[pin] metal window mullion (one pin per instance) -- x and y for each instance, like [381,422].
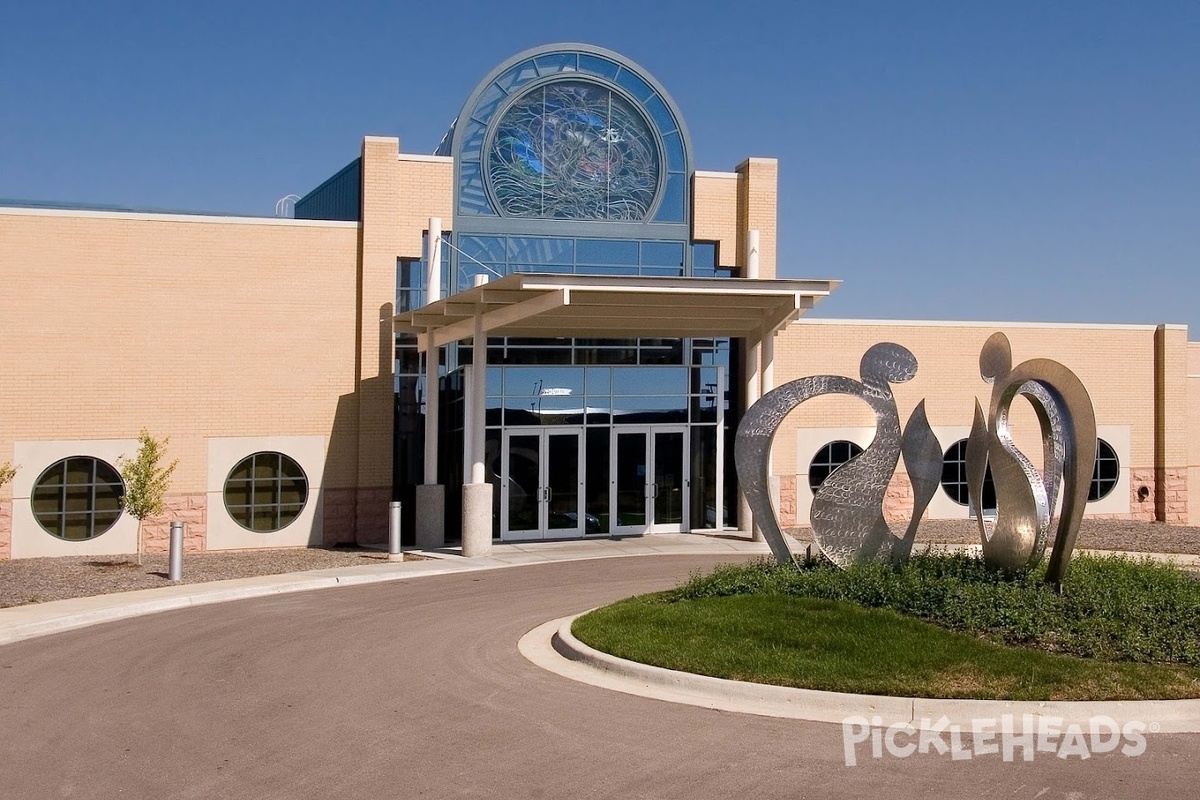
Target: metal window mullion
[253,510]
[608,162]
[90,518]
[62,499]
[542,180]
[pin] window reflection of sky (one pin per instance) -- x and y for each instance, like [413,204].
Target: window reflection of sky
[575,395]
[508,254]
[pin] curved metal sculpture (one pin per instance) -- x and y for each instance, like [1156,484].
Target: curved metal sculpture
[847,510]
[1025,499]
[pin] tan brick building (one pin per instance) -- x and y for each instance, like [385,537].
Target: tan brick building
[285,358]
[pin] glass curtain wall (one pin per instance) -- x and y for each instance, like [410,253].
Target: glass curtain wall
[573,160]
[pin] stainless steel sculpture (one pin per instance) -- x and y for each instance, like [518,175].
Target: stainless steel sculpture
[1025,499]
[847,511]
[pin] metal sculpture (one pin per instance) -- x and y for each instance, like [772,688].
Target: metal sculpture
[847,511]
[1025,498]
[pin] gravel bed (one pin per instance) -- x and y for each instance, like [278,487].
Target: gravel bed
[40,580]
[1094,534]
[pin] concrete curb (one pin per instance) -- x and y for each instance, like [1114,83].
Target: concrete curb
[553,647]
[28,622]
[19,623]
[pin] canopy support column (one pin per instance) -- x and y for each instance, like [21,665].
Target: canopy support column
[477,494]
[752,383]
[767,376]
[753,359]
[431,495]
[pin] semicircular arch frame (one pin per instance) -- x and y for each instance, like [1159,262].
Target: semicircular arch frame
[475,205]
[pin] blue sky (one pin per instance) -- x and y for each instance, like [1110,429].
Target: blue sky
[954,160]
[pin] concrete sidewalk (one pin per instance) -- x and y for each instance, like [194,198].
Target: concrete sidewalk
[39,619]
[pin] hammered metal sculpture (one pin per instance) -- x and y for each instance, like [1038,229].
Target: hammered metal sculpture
[1016,538]
[847,510]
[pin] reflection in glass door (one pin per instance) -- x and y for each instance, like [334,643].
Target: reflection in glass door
[630,497]
[669,487]
[650,480]
[541,488]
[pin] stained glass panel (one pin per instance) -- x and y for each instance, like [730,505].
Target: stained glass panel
[574,150]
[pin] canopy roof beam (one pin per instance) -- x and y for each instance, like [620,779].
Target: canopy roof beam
[618,307]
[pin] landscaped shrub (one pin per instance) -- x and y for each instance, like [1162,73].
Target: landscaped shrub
[1110,607]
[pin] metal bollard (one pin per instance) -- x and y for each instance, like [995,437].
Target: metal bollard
[394,553]
[175,568]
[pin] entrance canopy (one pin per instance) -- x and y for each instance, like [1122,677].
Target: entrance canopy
[539,305]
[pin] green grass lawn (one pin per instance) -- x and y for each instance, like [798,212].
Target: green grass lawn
[864,630]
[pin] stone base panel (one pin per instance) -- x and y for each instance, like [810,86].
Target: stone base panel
[898,501]
[192,511]
[371,515]
[339,516]
[787,501]
[360,515]
[5,530]
[1174,510]
[1141,495]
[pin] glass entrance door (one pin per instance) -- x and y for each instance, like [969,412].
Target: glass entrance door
[541,492]
[650,480]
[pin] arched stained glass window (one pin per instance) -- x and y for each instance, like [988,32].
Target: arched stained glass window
[574,150]
[570,133]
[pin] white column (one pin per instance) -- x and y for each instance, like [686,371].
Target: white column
[752,383]
[719,505]
[468,421]
[477,492]
[752,254]
[431,496]
[431,408]
[472,407]
[433,261]
[768,362]
[753,357]
[478,410]
[767,378]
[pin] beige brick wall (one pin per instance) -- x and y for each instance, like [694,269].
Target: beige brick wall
[758,209]
[400,194]
[1171,423]
[1193,395]
[715,214]
[728,205]
[188,326]
[424,189]
[1117,363]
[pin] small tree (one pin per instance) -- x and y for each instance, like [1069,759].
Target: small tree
[146,481]
[7,471]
